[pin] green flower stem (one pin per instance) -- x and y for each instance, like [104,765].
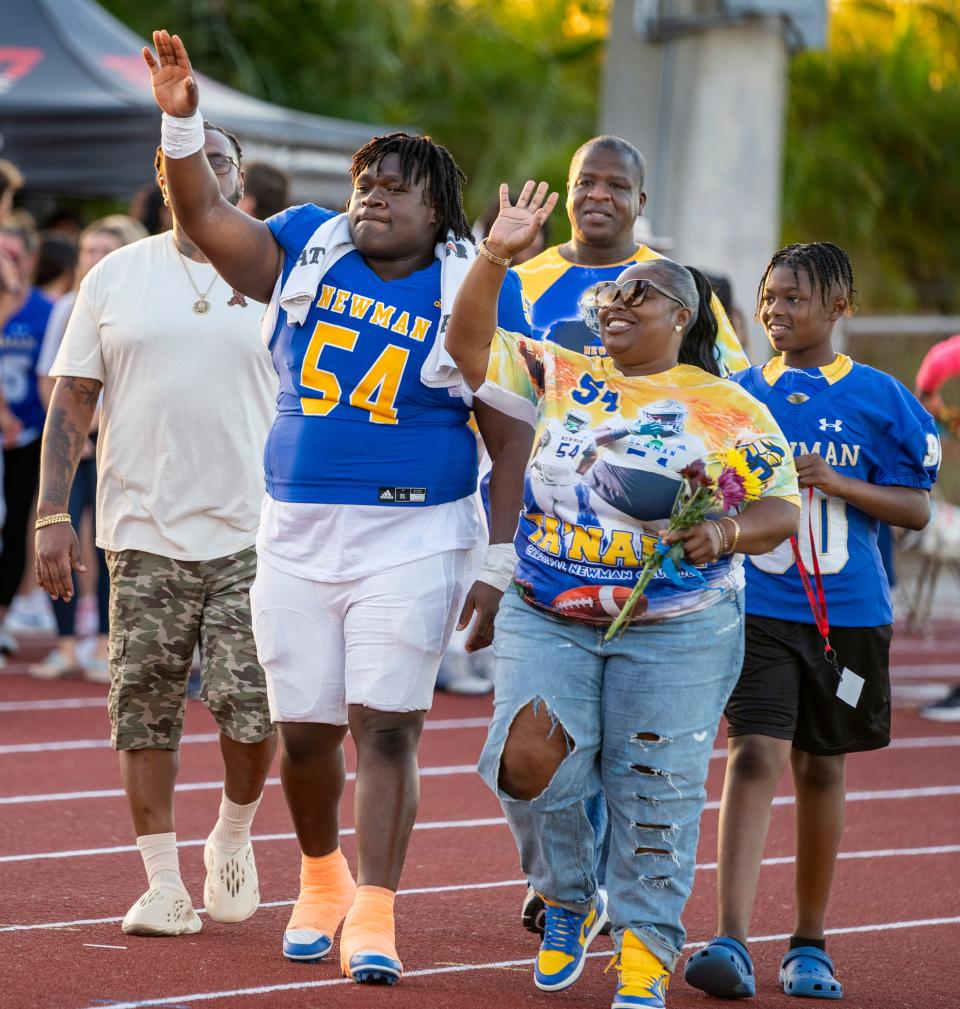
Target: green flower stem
[690,513]
[650,568]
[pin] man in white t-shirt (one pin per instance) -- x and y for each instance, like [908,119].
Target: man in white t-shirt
[188,391]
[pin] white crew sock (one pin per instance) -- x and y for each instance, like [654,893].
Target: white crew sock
[160,859]
[232,830]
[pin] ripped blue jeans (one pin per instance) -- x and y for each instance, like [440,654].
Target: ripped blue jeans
[640,713]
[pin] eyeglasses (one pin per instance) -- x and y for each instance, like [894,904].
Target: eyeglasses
[221,164]
[631,293]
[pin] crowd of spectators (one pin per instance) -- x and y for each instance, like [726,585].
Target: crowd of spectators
[41,267]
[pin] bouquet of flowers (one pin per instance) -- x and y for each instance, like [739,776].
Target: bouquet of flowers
[700,496]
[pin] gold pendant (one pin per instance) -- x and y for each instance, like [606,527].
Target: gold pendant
[201,307]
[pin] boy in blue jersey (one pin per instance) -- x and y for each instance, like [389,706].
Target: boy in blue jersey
[369,515]
[866,452]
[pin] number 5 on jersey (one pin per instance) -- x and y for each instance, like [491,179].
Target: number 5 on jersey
[376,392]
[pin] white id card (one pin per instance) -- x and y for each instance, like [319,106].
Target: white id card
[850,688]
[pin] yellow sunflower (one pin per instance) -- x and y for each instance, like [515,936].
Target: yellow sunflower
[736,460]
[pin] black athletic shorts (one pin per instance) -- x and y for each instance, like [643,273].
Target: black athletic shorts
[788,690]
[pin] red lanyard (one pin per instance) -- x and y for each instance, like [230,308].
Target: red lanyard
[818,601]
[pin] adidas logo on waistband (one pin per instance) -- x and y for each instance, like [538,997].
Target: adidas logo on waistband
[405,495]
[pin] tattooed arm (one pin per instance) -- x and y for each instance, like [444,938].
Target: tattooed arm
[64,436]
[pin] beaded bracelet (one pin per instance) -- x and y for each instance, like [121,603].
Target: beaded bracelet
[51,520]
[487,254]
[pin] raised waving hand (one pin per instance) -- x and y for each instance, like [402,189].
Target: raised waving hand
[517,225]
[174,85]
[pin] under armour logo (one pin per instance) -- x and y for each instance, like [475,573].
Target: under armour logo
[237,299]
[836,425]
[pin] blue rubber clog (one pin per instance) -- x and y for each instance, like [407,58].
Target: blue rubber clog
[723,968]
[808,972]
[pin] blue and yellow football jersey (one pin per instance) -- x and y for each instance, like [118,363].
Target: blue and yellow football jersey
[868,426]
[355,425]
[563,307]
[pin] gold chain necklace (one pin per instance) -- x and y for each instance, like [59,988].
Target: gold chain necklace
[201,306]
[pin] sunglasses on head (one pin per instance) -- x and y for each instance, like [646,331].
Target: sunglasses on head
[631,292]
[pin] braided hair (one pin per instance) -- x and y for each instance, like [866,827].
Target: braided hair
[421,158]
[826,265]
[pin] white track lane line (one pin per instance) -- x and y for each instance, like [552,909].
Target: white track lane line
[940,849]
[929,792]
[907,743]
[493,821]
[10,749]
[201,786]
[933,670]
[435,725]
[469,967]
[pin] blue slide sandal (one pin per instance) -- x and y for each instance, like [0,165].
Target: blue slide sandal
[808,972]
[723,968]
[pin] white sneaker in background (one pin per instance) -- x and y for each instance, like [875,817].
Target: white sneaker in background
[8,643]
[31,613]
[54,667]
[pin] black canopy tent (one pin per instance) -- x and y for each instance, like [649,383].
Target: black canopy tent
[78,118]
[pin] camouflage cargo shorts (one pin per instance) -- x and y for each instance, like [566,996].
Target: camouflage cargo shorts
[160,609]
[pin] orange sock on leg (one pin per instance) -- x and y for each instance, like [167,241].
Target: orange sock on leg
[327,891]
[369,929]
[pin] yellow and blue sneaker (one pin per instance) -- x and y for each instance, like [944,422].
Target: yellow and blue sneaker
[643,978]
[566,938]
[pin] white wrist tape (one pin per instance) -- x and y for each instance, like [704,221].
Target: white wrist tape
[498,565]
[180,138]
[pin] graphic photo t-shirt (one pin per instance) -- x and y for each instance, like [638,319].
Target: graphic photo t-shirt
[605,471]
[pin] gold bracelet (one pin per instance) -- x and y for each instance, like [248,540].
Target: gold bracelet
[51,520]
[736,533]
[723,537]
[487,254]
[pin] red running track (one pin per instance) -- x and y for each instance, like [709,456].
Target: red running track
[69,871]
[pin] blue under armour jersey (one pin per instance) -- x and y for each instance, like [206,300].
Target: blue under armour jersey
[355,425]
[868,426]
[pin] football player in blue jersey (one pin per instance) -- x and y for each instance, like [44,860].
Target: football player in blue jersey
[605,196]
[369,515]
[866,452]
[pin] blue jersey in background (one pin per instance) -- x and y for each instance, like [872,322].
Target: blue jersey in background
[20,343]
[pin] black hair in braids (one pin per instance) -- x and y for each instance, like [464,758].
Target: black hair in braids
[699,344]
[421,158]
[826,265]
